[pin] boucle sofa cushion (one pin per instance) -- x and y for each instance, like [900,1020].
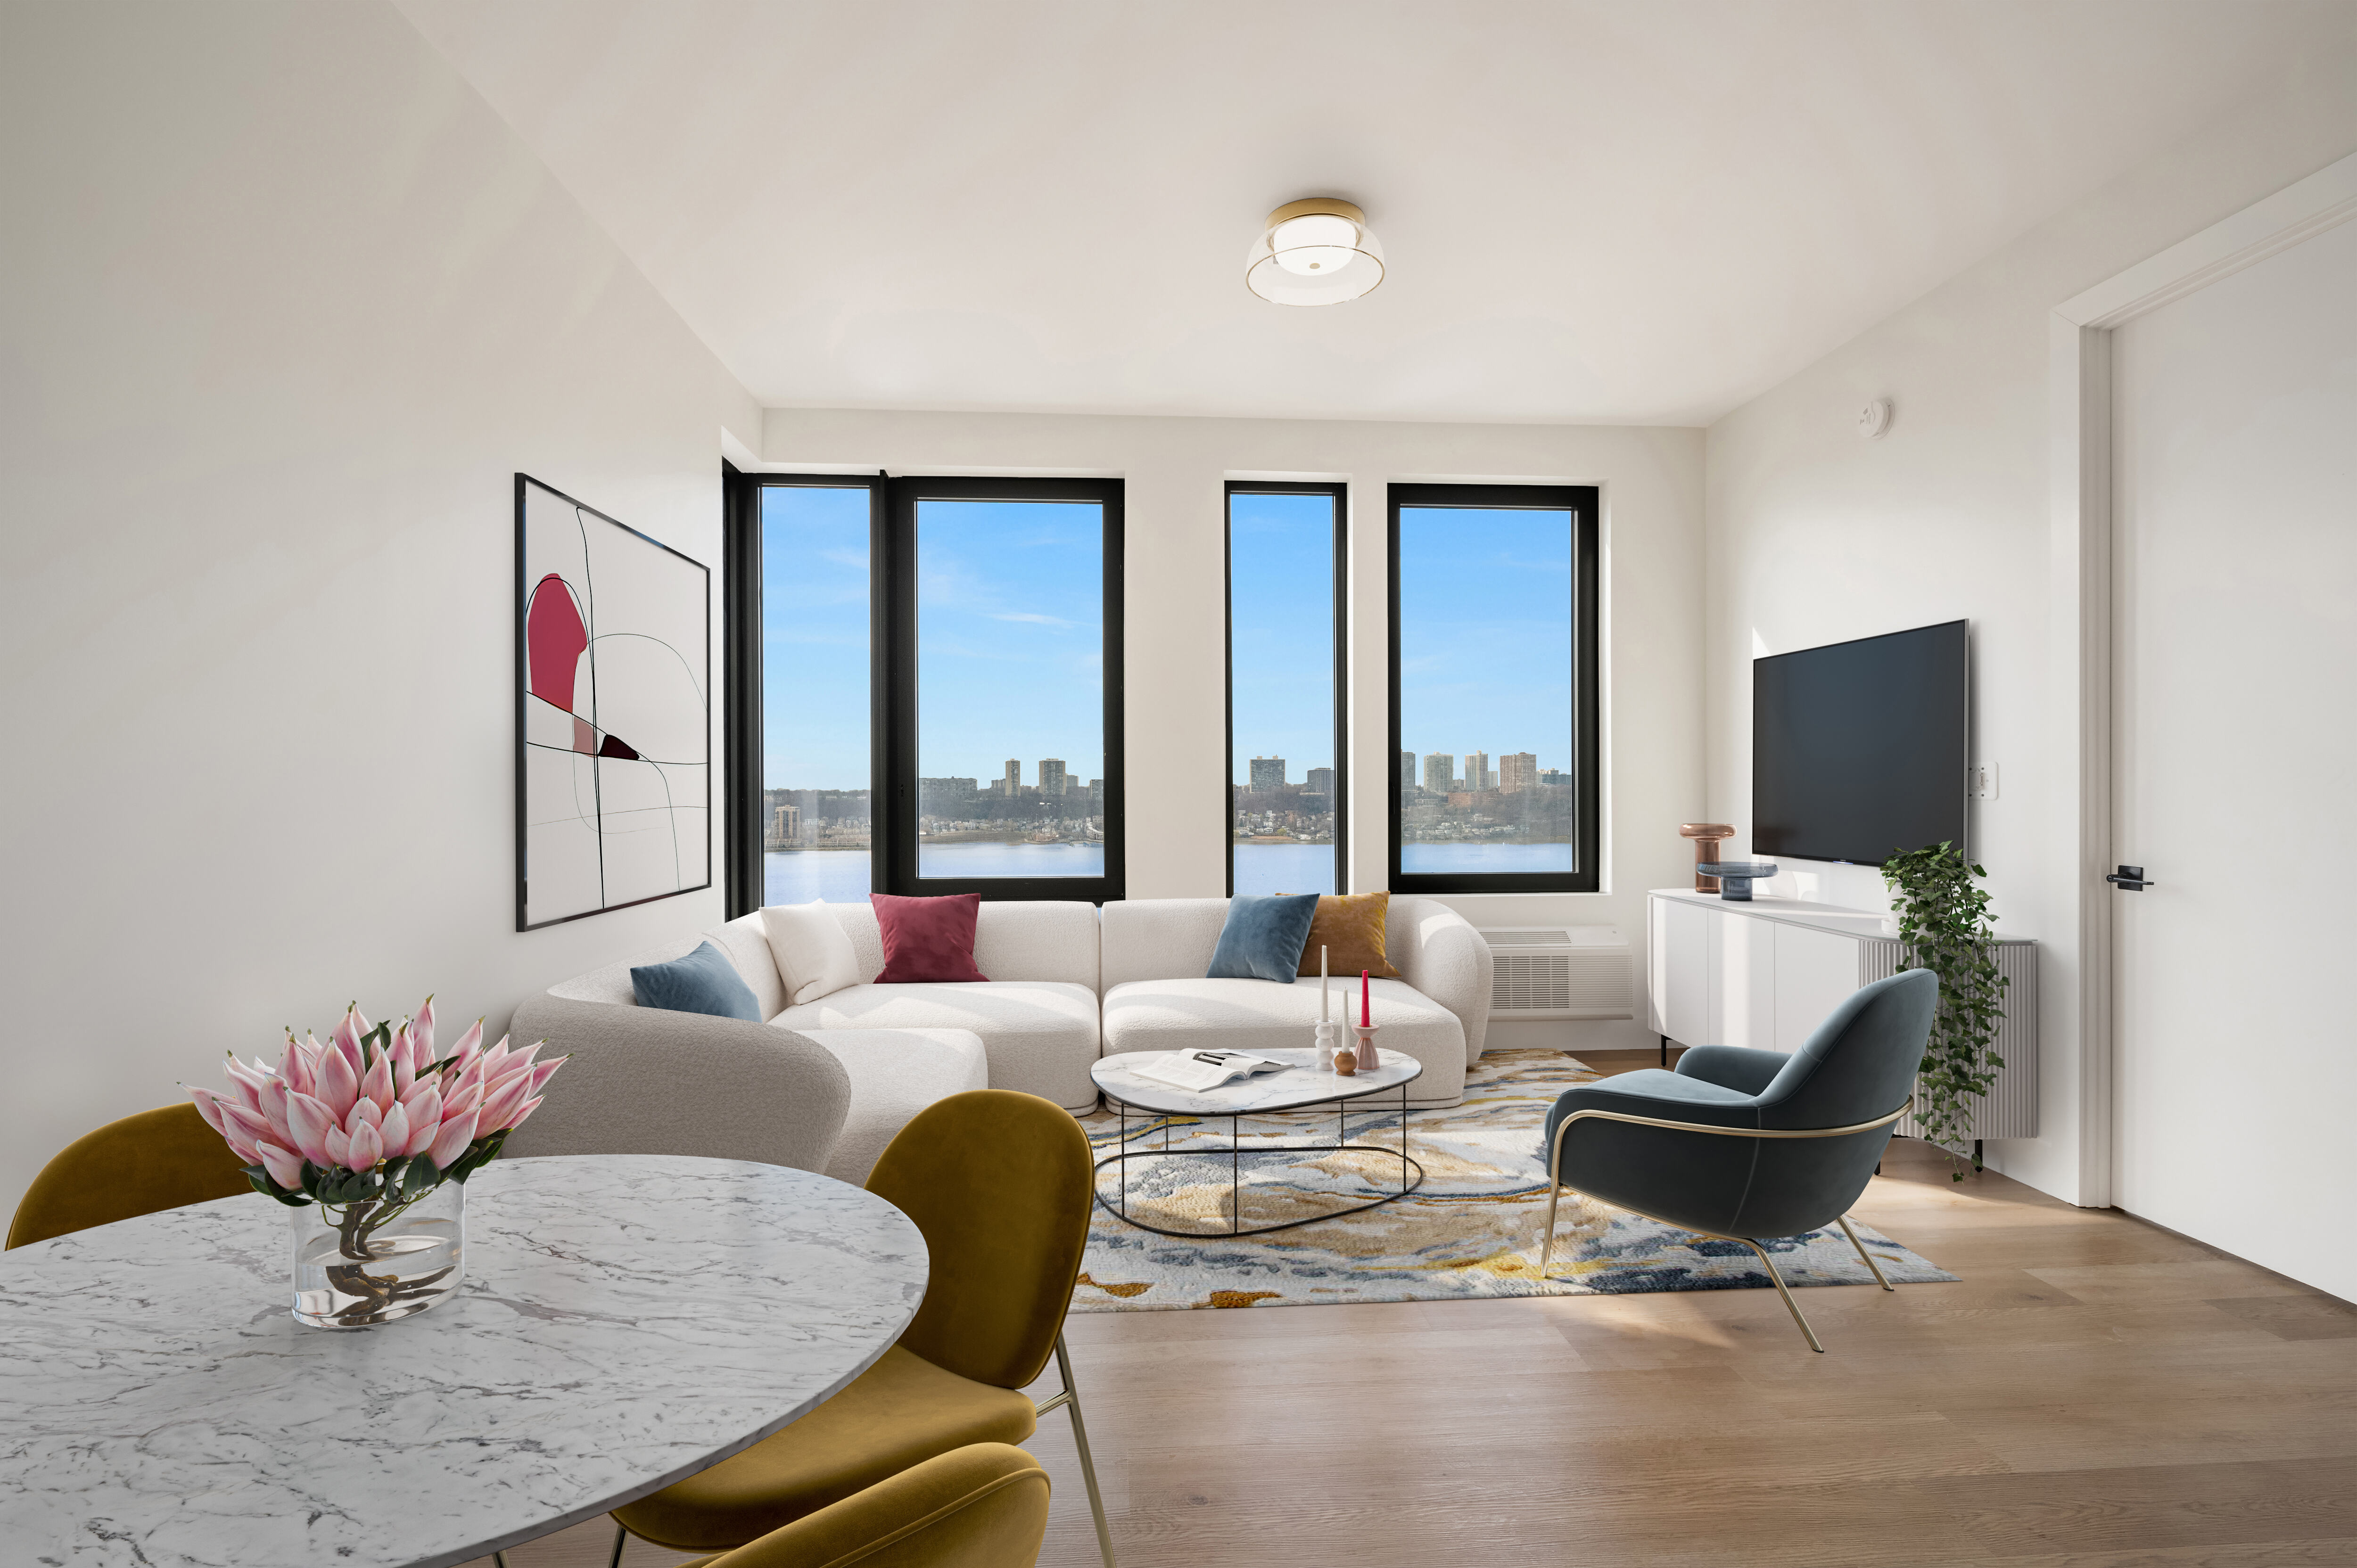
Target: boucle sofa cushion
[1253,1015]
[1040,1035]
[1049,940]
[811,950]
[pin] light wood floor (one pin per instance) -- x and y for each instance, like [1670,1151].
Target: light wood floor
[2095,1392]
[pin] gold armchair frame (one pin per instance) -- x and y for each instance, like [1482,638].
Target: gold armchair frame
[1554,1191]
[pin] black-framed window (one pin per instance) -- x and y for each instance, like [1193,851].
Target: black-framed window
[1495,643]
[938,705]
[1285,780]
[804,725]
[1002,700]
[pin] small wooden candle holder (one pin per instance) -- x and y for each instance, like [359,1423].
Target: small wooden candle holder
[1707,837]
[1346,1063]
[1368,1058]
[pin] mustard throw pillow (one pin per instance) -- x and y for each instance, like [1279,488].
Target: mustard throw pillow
[1350,927]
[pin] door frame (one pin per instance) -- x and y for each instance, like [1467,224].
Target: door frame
[2079,411]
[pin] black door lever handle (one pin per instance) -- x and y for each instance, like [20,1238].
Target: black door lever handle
[2130,878]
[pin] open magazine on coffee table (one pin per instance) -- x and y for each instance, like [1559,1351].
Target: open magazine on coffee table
[1206,1070]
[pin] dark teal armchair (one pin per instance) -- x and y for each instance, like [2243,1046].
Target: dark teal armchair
[1741,1145]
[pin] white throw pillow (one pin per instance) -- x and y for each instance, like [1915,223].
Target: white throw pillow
[813,949]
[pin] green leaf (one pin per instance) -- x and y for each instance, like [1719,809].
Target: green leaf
[419,1176]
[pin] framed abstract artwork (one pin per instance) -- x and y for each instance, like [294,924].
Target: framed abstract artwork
[613,713]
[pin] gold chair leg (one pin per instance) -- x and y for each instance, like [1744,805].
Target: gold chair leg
[621,1537]
[1547,1241]
[1070,1400]
[500,1560]
[1862,1252]
[1791,1305]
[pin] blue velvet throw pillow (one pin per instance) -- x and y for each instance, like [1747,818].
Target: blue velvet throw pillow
[703,981]
[1264,936]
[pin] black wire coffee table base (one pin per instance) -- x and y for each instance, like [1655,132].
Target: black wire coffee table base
[1235,1153]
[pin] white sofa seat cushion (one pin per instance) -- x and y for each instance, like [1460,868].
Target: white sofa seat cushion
[1040,1035]
[1258,1015]
[895,1073]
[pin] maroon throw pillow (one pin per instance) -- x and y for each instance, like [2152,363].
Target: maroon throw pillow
[928,938]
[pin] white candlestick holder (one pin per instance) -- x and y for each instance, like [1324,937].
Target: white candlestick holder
[1330,1035]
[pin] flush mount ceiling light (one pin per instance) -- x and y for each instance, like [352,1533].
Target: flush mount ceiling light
[1316,252]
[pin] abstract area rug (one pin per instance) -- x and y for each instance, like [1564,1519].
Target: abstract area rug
[1472,1231]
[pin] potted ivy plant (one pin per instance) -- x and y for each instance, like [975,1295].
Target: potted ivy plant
[1945,925]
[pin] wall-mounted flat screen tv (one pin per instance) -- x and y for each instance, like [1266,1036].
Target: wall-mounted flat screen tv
[1859,750]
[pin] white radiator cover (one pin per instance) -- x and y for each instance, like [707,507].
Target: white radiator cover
[1560,972]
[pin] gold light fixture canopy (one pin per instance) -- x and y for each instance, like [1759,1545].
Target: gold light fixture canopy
[1317,251]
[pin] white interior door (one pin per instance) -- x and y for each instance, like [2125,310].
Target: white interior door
[2234,472]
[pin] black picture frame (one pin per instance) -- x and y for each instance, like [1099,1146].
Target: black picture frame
[1340,492]
[1586,649]
[522,678]
[896,803]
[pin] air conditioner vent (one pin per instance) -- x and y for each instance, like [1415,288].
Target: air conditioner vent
[1578,972]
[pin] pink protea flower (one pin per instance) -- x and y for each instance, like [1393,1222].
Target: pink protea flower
[371,1115]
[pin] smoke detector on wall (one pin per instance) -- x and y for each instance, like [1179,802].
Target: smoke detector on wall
[1874,418]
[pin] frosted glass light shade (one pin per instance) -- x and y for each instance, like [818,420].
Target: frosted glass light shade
[1316,252]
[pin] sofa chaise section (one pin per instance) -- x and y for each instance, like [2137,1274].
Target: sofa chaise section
[643,1081]
[1037,1016]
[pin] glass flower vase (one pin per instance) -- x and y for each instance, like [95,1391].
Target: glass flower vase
[359,1264]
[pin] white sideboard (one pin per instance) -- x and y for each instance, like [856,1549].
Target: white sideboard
[1765,973]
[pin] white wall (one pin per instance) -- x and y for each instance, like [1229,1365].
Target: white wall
[1816,535]
[1174,470]
[287,307]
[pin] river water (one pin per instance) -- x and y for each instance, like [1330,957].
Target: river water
[840,875]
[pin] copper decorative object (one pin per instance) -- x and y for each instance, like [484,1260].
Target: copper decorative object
[1706,836]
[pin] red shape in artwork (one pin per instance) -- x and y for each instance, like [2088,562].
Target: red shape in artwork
[554,640]
[615,746]
[585,737]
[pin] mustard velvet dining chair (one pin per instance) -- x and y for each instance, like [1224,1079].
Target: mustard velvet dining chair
[155,1160]
[983,1506]
[999,1184]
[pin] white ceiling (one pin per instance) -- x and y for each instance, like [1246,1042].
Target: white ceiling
[1594,210]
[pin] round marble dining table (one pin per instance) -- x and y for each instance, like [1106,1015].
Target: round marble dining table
[626,1321]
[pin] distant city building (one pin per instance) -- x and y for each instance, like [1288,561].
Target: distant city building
[785,825]
[1011,786]
[1096,789]
[1267,773]
[1051,776]
[946,797]
[1477,771]
[1407,771]
[1553,775]
[1518,771]
[1320,781]
[1440,771]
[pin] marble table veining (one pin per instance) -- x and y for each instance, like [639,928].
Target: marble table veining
[1297,1086]
[626,1321]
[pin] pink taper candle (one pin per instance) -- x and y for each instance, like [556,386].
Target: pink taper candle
[1366,1009]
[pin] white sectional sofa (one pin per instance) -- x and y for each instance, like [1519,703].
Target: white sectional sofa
[825,1085]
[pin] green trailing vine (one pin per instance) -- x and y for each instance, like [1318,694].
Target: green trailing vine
[1945,925]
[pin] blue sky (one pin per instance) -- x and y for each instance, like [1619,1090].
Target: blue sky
[1010,635]
[1485,633]
[1281,556]
[814,637]
[1010,638]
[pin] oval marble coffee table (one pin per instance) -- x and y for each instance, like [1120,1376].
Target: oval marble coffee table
[1298,1086]
[626,1322]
